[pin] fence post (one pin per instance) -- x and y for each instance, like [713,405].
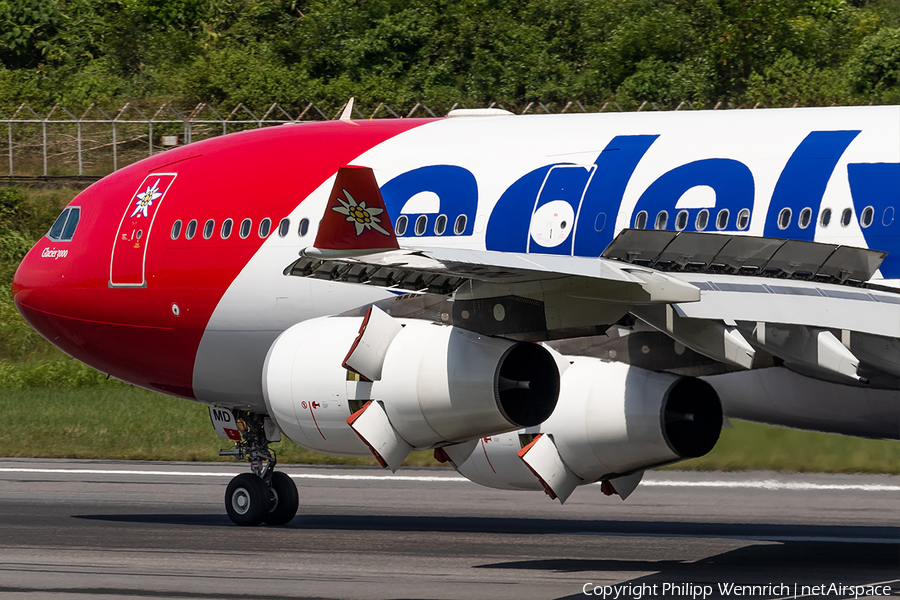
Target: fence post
[9,126]
[44,144]
[150,136]
[80,164]
[115,149]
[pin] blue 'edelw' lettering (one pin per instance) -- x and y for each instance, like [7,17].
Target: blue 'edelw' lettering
[571,209]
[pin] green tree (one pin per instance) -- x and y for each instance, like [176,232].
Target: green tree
[874,67]
[792,82]
[443,51]
[26,26]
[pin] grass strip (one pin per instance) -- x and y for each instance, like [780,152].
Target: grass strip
[754,446]
[116,421]
[121,422]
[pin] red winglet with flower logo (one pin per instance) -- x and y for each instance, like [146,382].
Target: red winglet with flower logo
[356,218]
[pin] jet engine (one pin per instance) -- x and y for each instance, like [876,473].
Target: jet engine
[351,385]
[611,422]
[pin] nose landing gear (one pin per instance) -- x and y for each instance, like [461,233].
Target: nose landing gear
[264,495]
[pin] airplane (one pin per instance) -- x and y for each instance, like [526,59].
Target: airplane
[545,301]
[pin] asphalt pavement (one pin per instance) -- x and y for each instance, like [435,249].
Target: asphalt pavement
[103,529]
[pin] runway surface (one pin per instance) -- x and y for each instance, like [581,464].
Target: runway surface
[90,529]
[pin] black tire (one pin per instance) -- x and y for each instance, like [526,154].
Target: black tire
[247,500]
[285,500]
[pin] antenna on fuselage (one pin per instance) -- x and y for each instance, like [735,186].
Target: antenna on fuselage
[348,111]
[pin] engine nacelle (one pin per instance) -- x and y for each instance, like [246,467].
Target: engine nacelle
[435,384]
[611,420]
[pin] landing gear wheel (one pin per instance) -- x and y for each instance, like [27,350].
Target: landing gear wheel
[285,500]
[247,500]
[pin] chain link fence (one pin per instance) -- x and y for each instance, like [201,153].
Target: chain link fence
[61,146]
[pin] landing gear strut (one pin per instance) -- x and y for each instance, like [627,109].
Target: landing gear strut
[264,495]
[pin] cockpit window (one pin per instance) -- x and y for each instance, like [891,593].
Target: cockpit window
[71,223]
[56,231]
[63,230]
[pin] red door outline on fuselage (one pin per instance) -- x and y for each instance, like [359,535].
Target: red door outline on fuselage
[129,251]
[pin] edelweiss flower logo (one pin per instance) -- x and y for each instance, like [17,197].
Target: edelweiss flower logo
[145,200]
[359,214]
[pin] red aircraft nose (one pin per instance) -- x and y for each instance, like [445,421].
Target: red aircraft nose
[56,285]
[36,297]
[62,289]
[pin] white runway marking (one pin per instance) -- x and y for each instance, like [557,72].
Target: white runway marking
[765,484]
[232,474]
[771,484]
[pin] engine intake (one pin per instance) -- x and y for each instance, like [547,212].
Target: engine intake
[527,378]
[691,417]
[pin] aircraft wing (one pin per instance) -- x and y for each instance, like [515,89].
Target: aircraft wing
[733,299]
[445,270]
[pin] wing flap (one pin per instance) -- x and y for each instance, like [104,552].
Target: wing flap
[744,255]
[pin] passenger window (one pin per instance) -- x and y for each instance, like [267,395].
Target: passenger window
[208,229]
[304,227]
[866,217]
[888,217]
[825,219]
[56,230]
[640,221]
[662,219]
[71,224]
[743,219]
[722,219]
[805,218]
[702,220]
[191,230]
[401,225]
[265,226]
[284,227]
[226,229]
[421,224]
[681,220]
[784,218]
[846,216]
[440,225]
[246,225]
[460,226]
[176,229]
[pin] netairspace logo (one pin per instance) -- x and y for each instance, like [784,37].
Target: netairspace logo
[636,591]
